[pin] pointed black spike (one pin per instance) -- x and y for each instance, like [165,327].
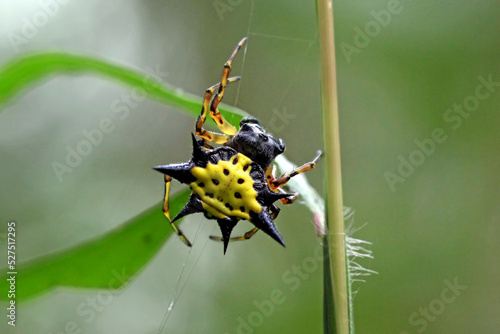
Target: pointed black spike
[198,153]
[264,222]
[226,227]
[192,206]
[270,196]
[165,169]
[180,172]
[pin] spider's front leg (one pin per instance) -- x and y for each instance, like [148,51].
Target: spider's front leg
[223,125]
[226,128]
[214,137]
[281,181]
[271,177]
[276,184]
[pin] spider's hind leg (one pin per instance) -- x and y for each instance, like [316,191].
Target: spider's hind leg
[166,211]
[274,211]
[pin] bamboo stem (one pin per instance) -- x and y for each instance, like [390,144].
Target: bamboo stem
[335,219]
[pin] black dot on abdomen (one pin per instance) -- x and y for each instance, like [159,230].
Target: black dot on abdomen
[240,181]
[237,195]
[229,206]
[215,181]
[242,208]
[226,172]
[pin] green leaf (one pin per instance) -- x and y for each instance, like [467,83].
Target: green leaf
[22,72]
[107,262]
[111,260]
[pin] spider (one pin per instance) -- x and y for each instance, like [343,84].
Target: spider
[235,181]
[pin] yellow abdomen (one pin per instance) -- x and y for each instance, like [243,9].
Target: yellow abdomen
[226,188]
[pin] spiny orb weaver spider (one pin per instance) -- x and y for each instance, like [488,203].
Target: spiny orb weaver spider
[235,181]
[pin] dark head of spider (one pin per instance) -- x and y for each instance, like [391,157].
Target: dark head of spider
[254,142]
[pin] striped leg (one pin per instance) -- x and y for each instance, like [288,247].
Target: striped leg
[214,137]
[223,125]
[245,236]
[226,128]
[274,213]
[271,177]
[281,181]
[166,211]
[289,199]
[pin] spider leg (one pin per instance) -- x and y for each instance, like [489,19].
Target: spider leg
[270,178]
[217,138]
[274,213]
[245,236]
[289,199]
[281,181]
[270,174]
[166,211]
[205,144]
[223,125]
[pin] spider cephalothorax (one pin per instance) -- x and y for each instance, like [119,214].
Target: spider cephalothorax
[253,141]
[235,181]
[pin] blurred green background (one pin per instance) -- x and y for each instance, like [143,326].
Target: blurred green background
[438,227]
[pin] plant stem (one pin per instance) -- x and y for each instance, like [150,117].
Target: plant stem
[335,237]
